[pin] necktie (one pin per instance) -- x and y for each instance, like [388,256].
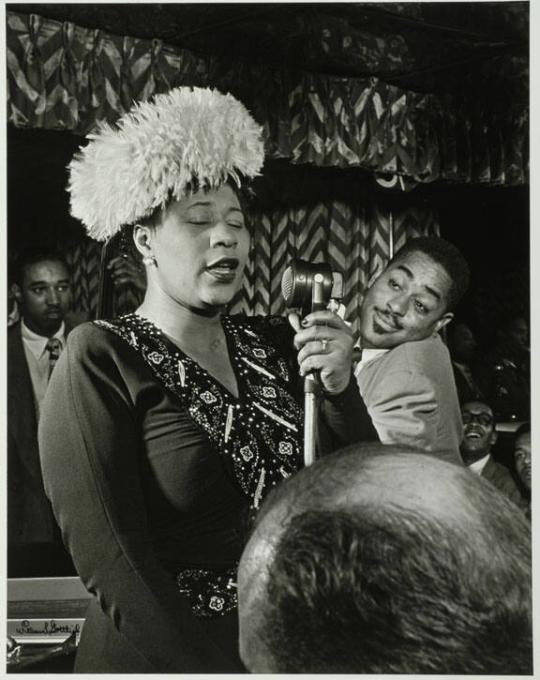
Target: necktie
[54,347]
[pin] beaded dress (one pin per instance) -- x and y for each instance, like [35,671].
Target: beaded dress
[153,467]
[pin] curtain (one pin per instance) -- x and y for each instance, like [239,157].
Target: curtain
[61,76]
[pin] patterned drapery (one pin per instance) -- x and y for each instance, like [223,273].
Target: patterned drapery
[64,77]
[357,244]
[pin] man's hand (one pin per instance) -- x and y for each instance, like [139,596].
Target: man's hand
[325,343]
[124,270]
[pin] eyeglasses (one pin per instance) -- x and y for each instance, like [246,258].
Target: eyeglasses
[482,418]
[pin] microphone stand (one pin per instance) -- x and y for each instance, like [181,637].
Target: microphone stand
[312,384]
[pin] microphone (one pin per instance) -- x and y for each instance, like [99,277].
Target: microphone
[310,287]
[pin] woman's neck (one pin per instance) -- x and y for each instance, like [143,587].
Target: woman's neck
[182,323]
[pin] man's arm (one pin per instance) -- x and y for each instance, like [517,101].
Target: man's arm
[345,419]
[404,410]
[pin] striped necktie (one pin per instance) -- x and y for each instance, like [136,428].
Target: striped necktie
[54,347]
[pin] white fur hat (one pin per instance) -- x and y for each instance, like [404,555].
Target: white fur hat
[156,152]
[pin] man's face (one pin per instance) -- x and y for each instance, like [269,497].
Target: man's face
[522,458]
[479,433]
[44,295]
[406,303]
[519,332]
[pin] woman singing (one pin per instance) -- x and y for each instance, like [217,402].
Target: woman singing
[164,428]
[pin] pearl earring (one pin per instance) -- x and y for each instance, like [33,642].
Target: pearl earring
[149,261]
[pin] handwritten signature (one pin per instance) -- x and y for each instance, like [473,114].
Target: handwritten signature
[49,628]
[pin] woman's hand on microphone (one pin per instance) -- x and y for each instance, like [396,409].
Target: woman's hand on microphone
[325,343]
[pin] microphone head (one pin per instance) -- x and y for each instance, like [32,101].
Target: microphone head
[287,284]
[297,283]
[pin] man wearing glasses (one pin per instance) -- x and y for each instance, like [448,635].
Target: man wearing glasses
[479,435]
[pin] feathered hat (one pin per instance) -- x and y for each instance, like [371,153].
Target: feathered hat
[157,152]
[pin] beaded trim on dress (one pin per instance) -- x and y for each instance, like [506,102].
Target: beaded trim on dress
[260,432]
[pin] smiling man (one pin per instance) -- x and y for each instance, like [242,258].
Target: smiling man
[479,435]
[405,374]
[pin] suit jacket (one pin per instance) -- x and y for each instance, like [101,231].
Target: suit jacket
[411,396]
[30,518]
[502,480]
[466,391]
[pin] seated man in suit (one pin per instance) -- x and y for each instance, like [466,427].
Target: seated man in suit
[372,561]
[479,435]
[405,374]
[522,463]
[43,292]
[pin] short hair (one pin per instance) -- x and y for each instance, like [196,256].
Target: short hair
[480,400]
[373,588]
[448,257]
[524,428]
[33,255]
[506,320]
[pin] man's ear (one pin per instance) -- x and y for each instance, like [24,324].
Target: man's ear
[443,321]
[494,436]
[16,292]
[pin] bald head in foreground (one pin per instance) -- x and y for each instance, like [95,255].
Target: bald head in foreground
[371,561]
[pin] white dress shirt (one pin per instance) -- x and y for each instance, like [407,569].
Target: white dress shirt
[479,465]
[367,356]
[37,358]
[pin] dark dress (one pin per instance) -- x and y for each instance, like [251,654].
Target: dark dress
[152,466]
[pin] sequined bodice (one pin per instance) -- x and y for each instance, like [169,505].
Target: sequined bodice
[261,430]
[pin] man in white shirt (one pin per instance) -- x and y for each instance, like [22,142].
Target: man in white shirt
[479,435]
[405,374]
[43,292]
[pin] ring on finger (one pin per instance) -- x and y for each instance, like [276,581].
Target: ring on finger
[324,344]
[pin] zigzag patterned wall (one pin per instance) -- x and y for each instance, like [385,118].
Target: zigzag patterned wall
[356,242]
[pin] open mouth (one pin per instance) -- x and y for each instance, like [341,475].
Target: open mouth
[473,435]
[224,269]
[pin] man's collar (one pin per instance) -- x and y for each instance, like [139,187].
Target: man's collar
[37,343]
[479,465]
[368,355]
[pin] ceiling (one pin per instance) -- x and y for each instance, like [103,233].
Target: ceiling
[422,46]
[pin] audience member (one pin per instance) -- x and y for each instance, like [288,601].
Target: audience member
[504,375]
[462,346]
[13,309]
[42,290]
[479,435]
[405,373]
[522,461]
[371,561]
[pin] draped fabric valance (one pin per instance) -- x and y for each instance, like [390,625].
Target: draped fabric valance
[61,76]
